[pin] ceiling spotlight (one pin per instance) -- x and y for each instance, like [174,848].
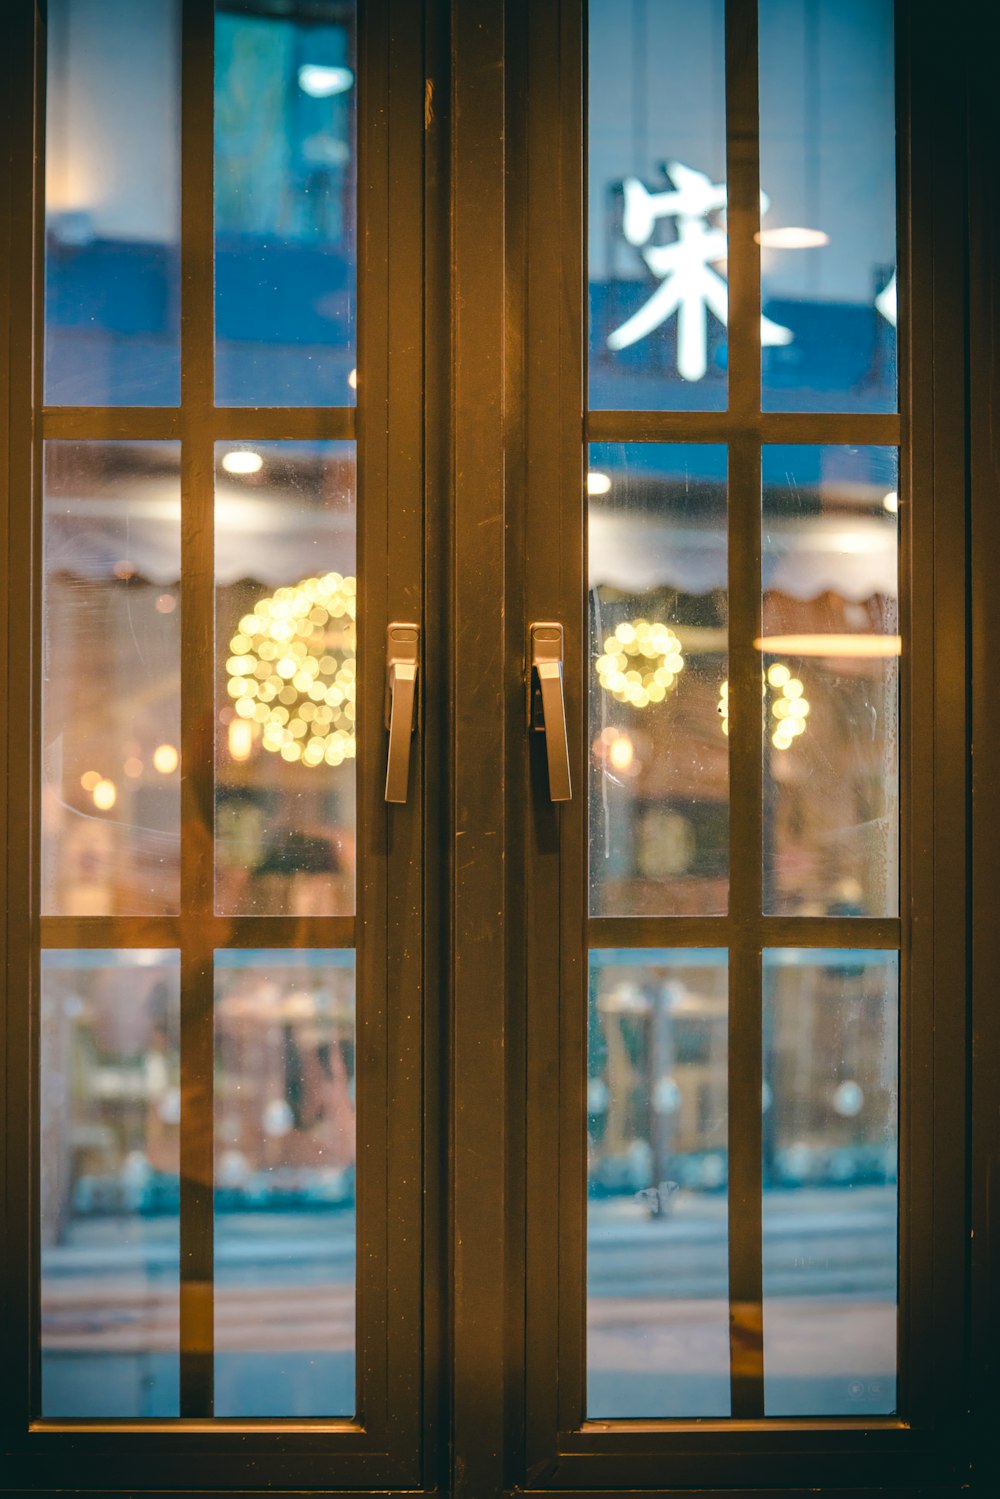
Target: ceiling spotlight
[321,81]
[891,502]
[598,483]
[242,461]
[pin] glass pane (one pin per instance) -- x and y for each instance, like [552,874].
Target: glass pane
[657,1234]
[112,203]
[284,1199]
[285,157]
[831,660]
[659,788]
[657,205]
[111,679]
[285,650]
[830,1144]
[110,1193]
[828,240]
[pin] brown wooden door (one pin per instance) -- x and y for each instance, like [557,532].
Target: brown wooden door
[481,1141]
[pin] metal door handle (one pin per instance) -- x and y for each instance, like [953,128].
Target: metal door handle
[547,707]
[402,663]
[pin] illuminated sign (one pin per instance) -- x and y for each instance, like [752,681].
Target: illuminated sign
[690,284]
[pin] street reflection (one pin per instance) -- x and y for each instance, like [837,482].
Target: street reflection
[285,1184]
[110,1120]
[657,1236]
[830,1142]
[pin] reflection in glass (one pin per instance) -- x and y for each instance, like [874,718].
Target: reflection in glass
[831,622]
[828,164]
[830,1140]
[112,203]
[111,679]
[657,196]
[285,1184]
[657,1236]
[659,786]
[110,1237]
[285,168]
[285,647]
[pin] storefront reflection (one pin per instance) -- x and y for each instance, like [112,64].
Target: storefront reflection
[110,1119]
[285,1183]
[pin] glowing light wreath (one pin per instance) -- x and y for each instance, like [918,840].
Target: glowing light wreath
[641,663]
[293,669]
[789,709]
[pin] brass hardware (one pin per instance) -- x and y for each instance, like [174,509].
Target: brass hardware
[402,652]
[547,707]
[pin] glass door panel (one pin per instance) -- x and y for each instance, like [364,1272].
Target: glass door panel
[215,1105]
[828,164]
[740,1086]
[285,1196]
[112,203]
[286,694]
[285,204]
[110,740]
[831,1145]
[657,1119]
[657,542]
[110,1157]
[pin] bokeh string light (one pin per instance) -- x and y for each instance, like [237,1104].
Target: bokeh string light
[789,707]
[641,663]
[293,670]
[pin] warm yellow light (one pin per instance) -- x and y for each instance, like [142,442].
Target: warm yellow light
[165,759]
[621,752]
[641,662]
[352,379]
[240,739]
[292,670]
[791,237]
[133,767]
[789,707]
[89,779]
[242,461]
[890,502]
[831,645]
[105,794]
[598,483]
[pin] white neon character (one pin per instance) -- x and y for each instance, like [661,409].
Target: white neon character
[689,285]
[886,301]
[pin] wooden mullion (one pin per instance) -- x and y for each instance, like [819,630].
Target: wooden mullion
[197,709]
[745,760]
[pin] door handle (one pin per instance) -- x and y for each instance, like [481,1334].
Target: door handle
[402,663]
[547,705]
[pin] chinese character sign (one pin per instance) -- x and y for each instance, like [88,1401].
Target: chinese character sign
[690,286]
[691,283]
